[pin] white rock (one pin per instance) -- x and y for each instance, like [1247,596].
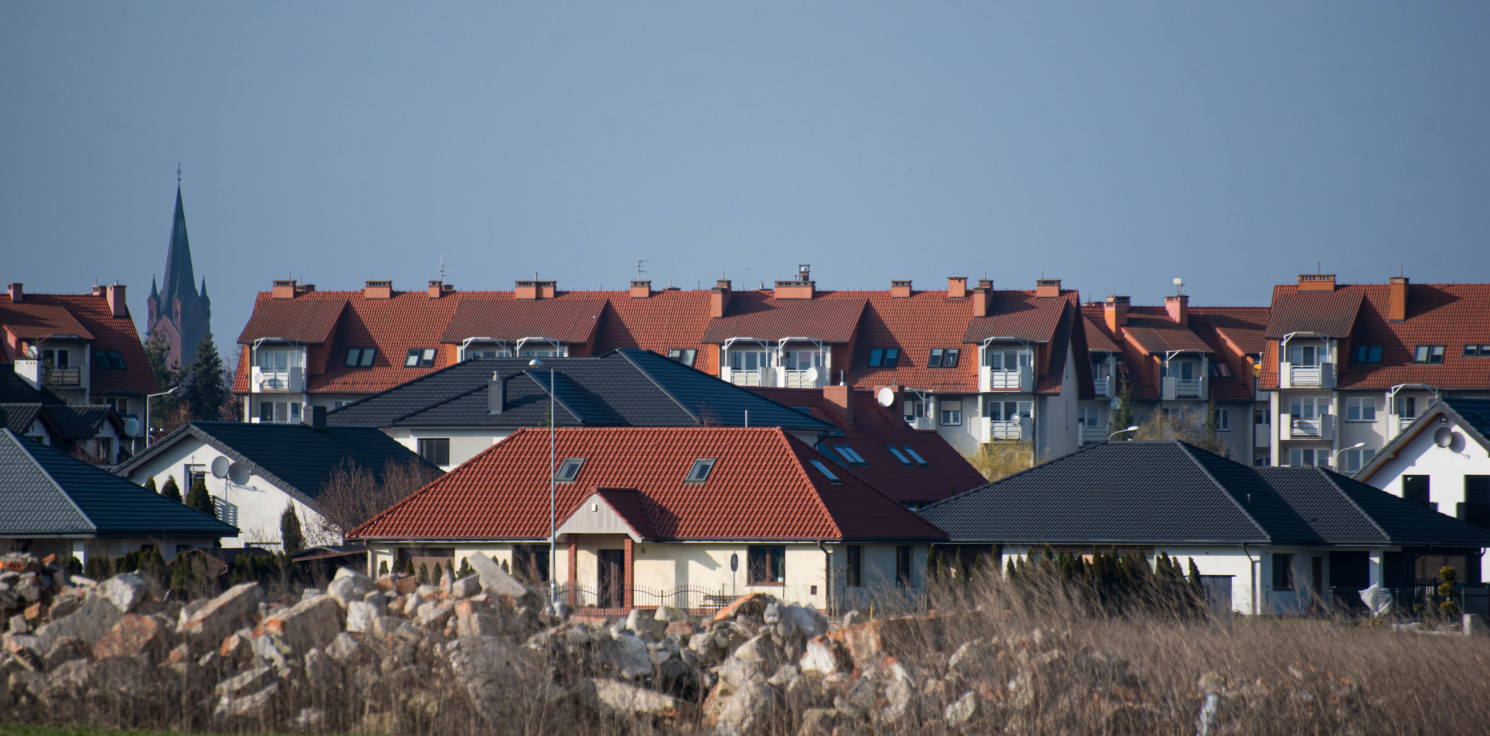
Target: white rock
[624,698]
[124,591]
[962,710]
[362,617]
[466,587]
[493,580]
[347,589]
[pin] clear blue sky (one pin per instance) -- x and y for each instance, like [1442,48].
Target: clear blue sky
[1113,145]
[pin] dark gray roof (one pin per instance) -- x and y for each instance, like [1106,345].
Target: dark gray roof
[46,493]
[15,390]
[296,457]
[626,388]
[1348,512]
[65,422]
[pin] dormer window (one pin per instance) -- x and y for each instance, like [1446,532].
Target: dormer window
[1366,354]
[568,469]
[700,470]
[851,457]
[943,358]
[884,357]
[420,358]
[1427,354]
[360,357]
[684,356]
[824,470]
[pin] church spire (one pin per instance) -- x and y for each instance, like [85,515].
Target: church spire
[180,279]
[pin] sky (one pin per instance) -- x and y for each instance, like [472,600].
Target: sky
[1116,146]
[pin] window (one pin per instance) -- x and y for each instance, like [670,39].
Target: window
[419,358]
[1366,354]
[1006,360]
[1477,351]
[1476,506]
[1220,369]
[1302,458]
[109,360]
[684,356]
[294,411]
[279,412]
[951,412]
[1427,354]
[278,361]
[1282,572]
[1261,416]
[700,470]
[568,469]
[851,457]
[1008,411]
[192,474]
[1415,488]
[1405,407]
[884,357]
[1351,461]
[903,566]
[749,360]
[766,564]
[1223,420]
[947,359]
[899,456]
[935,361]
[914,456]
[435,449]
[1308,407]
[530,563]
[1304,355]
[1360,409]
[1184,370]
[472,352]
[914,410]
[824,470]
[853,573]
[60,359]
[360,357]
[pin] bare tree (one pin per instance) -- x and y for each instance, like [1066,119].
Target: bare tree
[353,495]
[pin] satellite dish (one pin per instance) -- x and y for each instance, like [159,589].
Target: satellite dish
[131,426]
[886,396]
[221,466]
[812,374]
[1443,436]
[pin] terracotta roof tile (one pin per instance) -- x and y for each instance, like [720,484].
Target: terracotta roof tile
[915,325]
[106,333]
[1097,338]
[571,321]
[31,322]
[830,316]
[307,319]
[1328,313]
[762,486]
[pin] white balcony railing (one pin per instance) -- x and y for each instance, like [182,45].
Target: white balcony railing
[1100,385]
[748,378]
[65,377]
[1306,427]
[1090,435]
[804,379]
[1187,389]
[1308,376]
[920,422]
[1022,380]
[292,380]
[1321,427]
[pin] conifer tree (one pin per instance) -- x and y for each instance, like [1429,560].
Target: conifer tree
[171,490]
[289,530]
[200,499]
[206,388]
[150,485]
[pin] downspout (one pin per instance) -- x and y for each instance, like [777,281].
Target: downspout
[1252,570]
[827,577]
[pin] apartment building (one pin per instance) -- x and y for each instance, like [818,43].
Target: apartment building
[1348,366]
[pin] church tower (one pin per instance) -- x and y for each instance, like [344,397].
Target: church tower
[179,313]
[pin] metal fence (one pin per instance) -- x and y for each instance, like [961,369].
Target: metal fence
[697,601]
[1406,600]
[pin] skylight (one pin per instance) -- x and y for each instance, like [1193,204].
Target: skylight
[824,470]
[419,358]
[884,357]
[848,454]
[915,456]
[899,455]
[700,470]
[360,357]
[1428,354]
[568,469]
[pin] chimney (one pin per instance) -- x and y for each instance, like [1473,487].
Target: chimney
[842,398]
[900,289]
[114,295]
[982,298]
[378,290]
[801,288]
[16,296]
[1115,311]
[285,289]
[1316,282]
[1178,308]
[641,289]
[1397,299]
[316,417]
[496,395]
[438,288]
[956,287]
[534,290]
[1047,288]
[719,299]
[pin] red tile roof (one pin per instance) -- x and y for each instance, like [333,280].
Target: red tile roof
[1328,313]
[1241,327]
[307,319]
[1157,334]
[875,428]
[762,487]
[1220,331]
[572,321]
[31,322]
[1020,315]
[1097,339]
[915,325]
[830,316]
[91,315]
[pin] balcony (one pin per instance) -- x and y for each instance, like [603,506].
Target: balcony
[804,379]
[991,430]
[762,377]
[1306,428]
[1022,380]
[1093,435]
[920,422]
[1306,376]
[291,380]
[1179,388]
[65,377]
[1101,386]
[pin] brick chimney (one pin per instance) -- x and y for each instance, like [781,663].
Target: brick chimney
[16,294]
[1178,308]
[956,287]
[1397,299]
[982,297]
[114,295]
[285,289]
[800,288]
[378,290]
[438,289]
[1115,312]
[1316,282]
[719,299]
[641,289]
[900,289]
[1045,288]
[842,398]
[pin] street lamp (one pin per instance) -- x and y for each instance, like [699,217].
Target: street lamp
[553,593]
[1133,428]
[148,397]
[1356,446]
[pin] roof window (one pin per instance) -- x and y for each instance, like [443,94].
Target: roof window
[109,360]
[568,469]
[943,358]
[824,470]
[1220,369]
[849,455]
[899,455]
[360,357]
[684,356]
[700,470]
[1477,351]
[1427,354]
[884,357]
[1364,354]
[419,358]
[915,456]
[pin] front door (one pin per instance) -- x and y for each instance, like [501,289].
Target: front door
[610,578]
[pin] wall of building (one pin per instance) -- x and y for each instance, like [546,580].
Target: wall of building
[464,443]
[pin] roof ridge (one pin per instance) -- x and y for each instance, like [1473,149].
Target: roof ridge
[626,355]
[1078,451]
[1351,500]
[552,392]
[17,439]
[1186,449]
[817,495]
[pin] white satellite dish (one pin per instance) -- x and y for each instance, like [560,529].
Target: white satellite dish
[131,426]
[812,374]
[886,396]
[1443,436]
[221,466]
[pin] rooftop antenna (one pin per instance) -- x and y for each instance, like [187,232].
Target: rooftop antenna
[1317,270]
[442,268]
[1179,286]
[639,270]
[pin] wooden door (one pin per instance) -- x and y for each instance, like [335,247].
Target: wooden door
[610,578]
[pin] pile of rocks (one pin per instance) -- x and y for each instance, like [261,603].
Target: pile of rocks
[27,585]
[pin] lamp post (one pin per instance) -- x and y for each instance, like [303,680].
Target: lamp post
[148,397]
[1133,428]
[1335,461]
[553,591]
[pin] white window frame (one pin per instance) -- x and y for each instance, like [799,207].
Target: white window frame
[1223,420]
[1318,406]
[949,412]
[1358,407]
[1296,355]
[1318,458]
[1351,461]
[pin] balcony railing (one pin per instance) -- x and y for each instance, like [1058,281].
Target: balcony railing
[1307,376]
[747,378]
[1100,385]
[803,379]
[1294,428]
[65,377]
[1306,427]
[1022,380]
[1187,389]
[292,380]
[1090,435]
[992,430]
[920,422]
[1262,435]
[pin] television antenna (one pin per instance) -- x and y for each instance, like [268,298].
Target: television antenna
[639,270]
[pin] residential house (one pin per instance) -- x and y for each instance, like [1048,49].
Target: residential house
[94,431]
[456,412]
[1270,540]
[255,471]
[53,504]
[83,348]
[1176,359]
[914,467]
[1441,460]
[685,516]
[1348,366]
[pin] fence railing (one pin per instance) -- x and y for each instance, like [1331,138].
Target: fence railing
[697,601]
